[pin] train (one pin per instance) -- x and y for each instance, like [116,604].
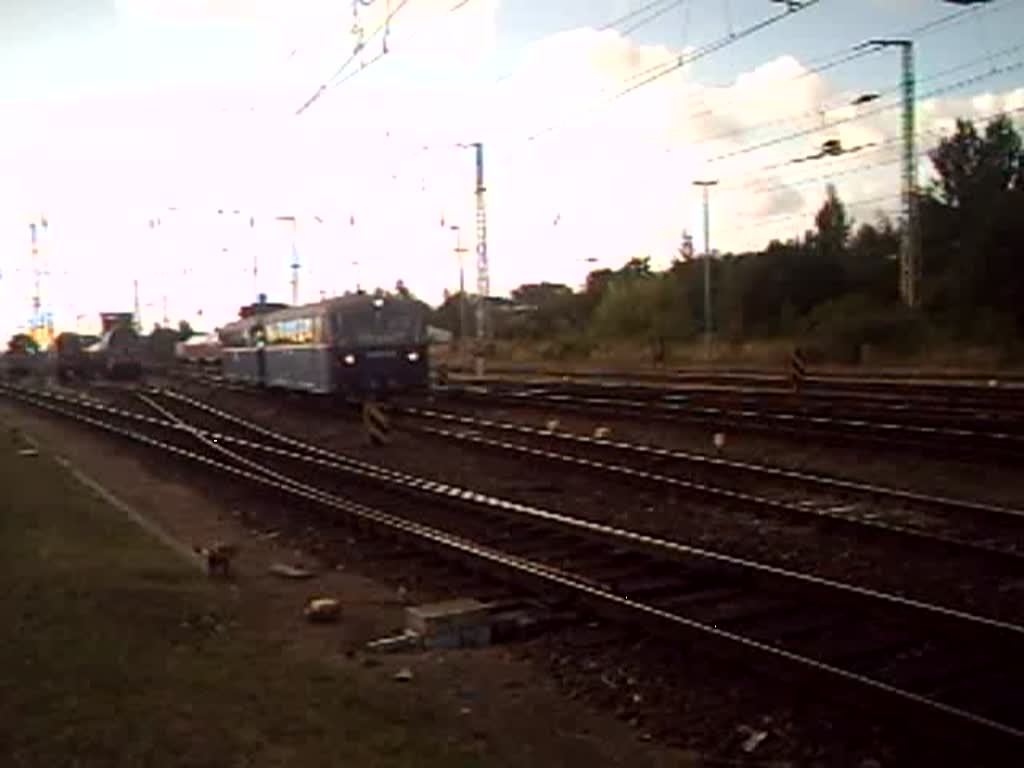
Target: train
[359,346]
[117,354]
[202,349]
[22,358]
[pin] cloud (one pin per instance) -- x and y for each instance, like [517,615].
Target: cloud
[611,179]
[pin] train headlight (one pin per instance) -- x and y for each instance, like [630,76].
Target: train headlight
[349,359]
[413,356]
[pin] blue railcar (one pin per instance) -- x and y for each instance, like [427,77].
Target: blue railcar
[358,346]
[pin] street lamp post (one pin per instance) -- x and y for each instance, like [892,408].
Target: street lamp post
[705,186]
[459,250]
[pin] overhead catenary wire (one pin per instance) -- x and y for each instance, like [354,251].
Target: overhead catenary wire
[642,16]
[979,120]
[1005,69]
[655,72]
[637,19]
[685,59]
[853,118]
[384,25]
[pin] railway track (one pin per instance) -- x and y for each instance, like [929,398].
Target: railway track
[953,524]
[977,411]
[937,667]
[996,439]
[935,384]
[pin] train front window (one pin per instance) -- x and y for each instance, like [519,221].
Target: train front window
[377,327]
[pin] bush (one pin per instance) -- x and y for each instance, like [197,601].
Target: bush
[567,348]
[839,330]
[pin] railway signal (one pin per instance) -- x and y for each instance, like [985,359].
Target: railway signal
[376,423]
[797,369]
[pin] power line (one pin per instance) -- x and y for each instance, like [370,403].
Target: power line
[844,56]
[646,19]
[613,24]
[660,71]
[766,222]
[869,113]
[815,66]
[384,25]
[651,9]
[986,60]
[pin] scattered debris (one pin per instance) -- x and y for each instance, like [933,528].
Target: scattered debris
[28,452]
[719,440]
[552,425]
[269,535]
[218,558]
[603,433]
[404,675]
[753,738]
[409,640]
[323,610]
[290,571]
[462,623]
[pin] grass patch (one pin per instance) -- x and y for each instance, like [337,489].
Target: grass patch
[114,653]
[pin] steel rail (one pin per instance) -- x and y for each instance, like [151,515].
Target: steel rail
[765,470]
[1006,444]
[265,476]
[757,502]
[328,458]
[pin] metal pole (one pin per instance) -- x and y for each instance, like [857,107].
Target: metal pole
[138,309]
[459,250]
[483,275]
[910,241]
[255,259]
[295,269]
[37,302]
[705,187]
[912,235]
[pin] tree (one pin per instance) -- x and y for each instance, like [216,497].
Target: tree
[185,331]
[870,262]
[833,224]
[974,169]
[541,294]
[447,315]
[22,343]
[636,267]
[971,223]
[553,309]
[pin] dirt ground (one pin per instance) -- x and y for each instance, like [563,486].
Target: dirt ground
[501,706]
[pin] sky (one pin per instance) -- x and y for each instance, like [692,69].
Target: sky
[128,124]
